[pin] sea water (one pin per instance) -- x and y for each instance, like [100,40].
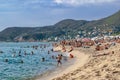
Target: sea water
[18,63]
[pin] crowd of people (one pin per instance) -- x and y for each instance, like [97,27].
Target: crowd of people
[99,43]
[31,51]
[89,42]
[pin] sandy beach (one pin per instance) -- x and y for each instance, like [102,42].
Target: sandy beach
[72,64]
[101,67]
[88,64]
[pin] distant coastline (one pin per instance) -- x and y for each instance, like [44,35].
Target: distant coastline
[64,30]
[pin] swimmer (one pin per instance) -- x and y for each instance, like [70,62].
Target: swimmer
[13,55]
[53,57]
[6,60]
[48,52]
[52,50]
[21,61]
[32,52]
[43,59]
[25,53]
[19,53]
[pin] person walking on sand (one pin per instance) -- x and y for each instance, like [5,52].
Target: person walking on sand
[59,58]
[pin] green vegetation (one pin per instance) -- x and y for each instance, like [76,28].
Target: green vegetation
[64,29]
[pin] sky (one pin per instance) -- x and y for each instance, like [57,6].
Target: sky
[37,13]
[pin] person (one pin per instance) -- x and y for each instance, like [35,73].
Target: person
[22,61]
[43,59]
[6,60]
[59,58]
[32,52]
[25,53]
[19,53]
[71,56]
[53,57]
[1,51]
[71,49]
[112,52]
[48,52]
[52,50]
[63,48]
[13,55]
[44,46]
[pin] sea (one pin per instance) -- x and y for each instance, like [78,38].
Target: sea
[23,60]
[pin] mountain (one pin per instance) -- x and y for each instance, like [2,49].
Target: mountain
[68,28]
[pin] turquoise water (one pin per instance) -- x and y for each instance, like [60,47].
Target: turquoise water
[18,63]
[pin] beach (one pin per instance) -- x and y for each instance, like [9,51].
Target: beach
[72,64]
[96,62]
[89,64]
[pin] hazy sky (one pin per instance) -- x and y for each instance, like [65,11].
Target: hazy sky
[29,13]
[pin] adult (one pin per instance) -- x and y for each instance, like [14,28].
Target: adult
[59,58]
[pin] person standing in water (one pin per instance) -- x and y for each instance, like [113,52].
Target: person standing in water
[59,58]
[48,52]
[32,52]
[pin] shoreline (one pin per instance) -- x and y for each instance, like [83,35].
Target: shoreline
[88,63]
[102,65]
[80,58]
